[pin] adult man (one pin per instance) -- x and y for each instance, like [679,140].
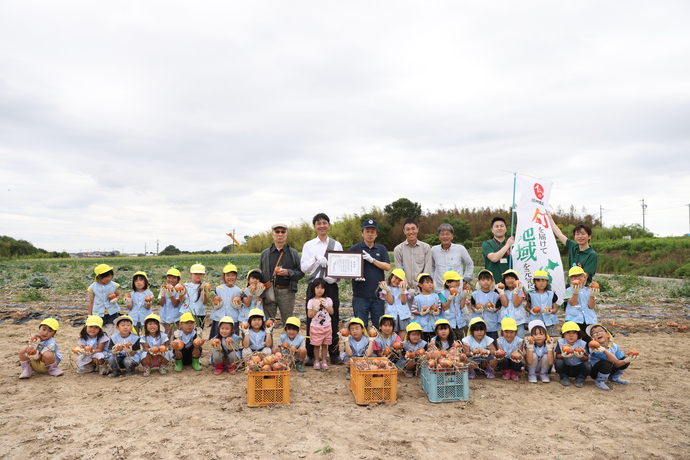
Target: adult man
[496,251]
[449,256]
[412,255]
[365,302]
[281,265]
[314,262]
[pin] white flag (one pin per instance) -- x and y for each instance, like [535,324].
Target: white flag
[535,245]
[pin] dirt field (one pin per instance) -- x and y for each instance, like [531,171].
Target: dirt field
[196,413]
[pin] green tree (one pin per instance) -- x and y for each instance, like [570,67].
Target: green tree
[169,251]
[401,209]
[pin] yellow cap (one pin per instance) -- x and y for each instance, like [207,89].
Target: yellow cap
[399,272]
[441,321]
[420,276]
[174,272]
[412,327]
[226,319]
[511,272]
[355,321]
[117,320]
[570,326]
[255,312]
[153,317]
[197,268]
[229,268]
[252,271]
[51,323]
[451,275]
[576,271]
[294,321]
[540,275]
[484,270]
[476,320]
[102,268]
[508,324]
[94,321]
[186,317]
[142,274]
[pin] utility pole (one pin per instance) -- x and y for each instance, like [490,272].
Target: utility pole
[601,216]
[144,249]
[157,243]
[644,211]
[689,219]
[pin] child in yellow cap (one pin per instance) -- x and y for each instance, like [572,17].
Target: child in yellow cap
[92,347]
[291,341]
[394,293]
[190,334]
[510,365]
[103,296]
[154,344]
[572,358]
[357,345]
[197,294]
[41,354]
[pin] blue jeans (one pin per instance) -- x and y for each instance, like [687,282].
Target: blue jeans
[365,307]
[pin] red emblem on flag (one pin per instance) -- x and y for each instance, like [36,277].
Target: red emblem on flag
[539,191]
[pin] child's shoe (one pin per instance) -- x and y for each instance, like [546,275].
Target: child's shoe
[544,375]
[115,373]
[506,374]
[103,369]
[616,377]
[515,376]
[147,371]
[232,369]
[54,371]
[219,369]
[579,382]
[178,365]
[565,381]
[324,365]
[27,371]
[489,373]
[532,375]
[163,370]
[347,376]
[409,373]
[600,381]
[300,366]
[471,374]
[317,365]
[195,364]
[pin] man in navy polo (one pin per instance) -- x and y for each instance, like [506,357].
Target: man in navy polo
[365,301]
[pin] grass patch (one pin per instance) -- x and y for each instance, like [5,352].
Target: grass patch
[31,295]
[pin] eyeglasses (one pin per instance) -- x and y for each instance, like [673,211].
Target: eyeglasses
[279,231]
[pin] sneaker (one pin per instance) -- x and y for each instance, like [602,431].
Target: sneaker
[532,378]
[336,361]
[162,370]
[317,365]
[489,373]
[115,373]
[544,377]
[515,376]
[300,366]
[324,365]
[147,371]
[565,381]
[309,362]
[347,376]
[471,374]
[579,383]
[506,375]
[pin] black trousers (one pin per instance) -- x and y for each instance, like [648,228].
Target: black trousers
[333,292]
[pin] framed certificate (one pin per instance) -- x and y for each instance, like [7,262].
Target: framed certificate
[344,264]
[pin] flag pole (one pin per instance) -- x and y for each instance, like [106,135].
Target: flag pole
[512,217]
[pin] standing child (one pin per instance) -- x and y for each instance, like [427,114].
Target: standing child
[411,345]
[190,335]
[512,296]
[253,295]
[293,342]
[539,352]
[103,296]
[258,335]
[197,295]
[542,302]
[227,300]
[383,342]
[319,310]
[445,337]
[484,303]
[580,302]
[226,347]
[171,298]
[394,292]
[607,360]
[571,356]
[451,304]
[124,347]
[510,364]
[41,354]
[480,347]
[426,305]
[357,344]
[139,301]
[93,346]
[154,352]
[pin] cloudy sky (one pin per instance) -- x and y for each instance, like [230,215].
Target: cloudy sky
[123,123]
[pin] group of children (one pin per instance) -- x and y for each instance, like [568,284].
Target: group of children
[115,345]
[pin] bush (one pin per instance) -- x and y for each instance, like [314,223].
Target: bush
[682,290]
[32,295]
[39,281]
[683,271]
[604,284]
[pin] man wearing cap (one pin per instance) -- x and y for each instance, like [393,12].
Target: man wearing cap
[449,256]
[365,302]
[314,262]
[412,255]
[496,251]
[280,264]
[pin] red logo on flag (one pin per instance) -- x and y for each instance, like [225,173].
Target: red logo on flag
[539,191]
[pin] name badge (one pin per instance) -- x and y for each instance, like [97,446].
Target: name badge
[504,260]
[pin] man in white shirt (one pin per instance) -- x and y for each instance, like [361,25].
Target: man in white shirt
[449,255]
[314,263]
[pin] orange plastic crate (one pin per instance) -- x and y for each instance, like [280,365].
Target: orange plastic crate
[264,388]
[370,387]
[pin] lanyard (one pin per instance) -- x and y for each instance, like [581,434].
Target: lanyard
[498,246]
